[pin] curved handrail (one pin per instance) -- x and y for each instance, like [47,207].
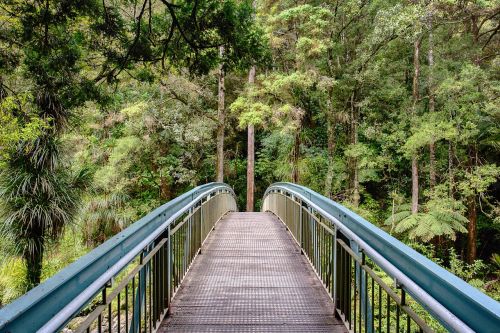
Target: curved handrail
[52,304]
[455,303]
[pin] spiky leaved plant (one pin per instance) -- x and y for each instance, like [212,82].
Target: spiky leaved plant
[39,198]
[39,195]
[104,216]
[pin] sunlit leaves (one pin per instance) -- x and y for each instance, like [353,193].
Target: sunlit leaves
[479,179]
[14,129]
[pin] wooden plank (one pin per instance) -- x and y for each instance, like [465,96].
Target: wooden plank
[251,277]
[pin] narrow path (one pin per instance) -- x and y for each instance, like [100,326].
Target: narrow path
[251,277]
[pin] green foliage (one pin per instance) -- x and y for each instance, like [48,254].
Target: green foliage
[438,217]
[332,105]
[479,179]
[468,272]
[26,127]
[60,254]
[104,217]
[429,129]
[54,57]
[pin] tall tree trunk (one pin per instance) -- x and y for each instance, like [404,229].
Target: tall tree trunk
[295,158]
[164,189]
[331,152]
[414,159]
[354,160]
[472,211]
[355,193]
[251,154]
[432,106]
[451,176]
[414,185]
[472,158]
[221,115]
[471,229]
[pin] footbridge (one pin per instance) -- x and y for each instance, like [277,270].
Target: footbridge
[303,264]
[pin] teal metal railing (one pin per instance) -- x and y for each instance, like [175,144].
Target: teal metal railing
[377,283]
[125,284]
[355,260]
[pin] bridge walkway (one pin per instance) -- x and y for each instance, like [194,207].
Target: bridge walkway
[251,277]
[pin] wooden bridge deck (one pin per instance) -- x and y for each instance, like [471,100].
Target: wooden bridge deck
[251,277]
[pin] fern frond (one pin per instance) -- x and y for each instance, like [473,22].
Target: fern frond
[407,223]
[398,217]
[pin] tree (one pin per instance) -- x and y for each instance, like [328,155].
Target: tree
[221,115]
[251,153]
[67,50]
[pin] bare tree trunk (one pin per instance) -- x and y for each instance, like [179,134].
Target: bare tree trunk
[414,185]
[451,177]
[221,115]
[331,152]
[355,194]
[472,212]
[471,229]
[295,158]
[432,106]
[473,158]
[432,164]
[353,160]
[164,189]
[414,159]
[251,154]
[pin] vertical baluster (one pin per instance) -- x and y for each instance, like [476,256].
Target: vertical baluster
[349,285]
[403,302]
[398,312]
[126,308]
[341,282]
[388,304]
[380,307]
[169,268]
[326,259]
[151,290]
[162,276]
[156,286]
[373,306]
[301,229]
[360,281]
[110,317]
[177,237]
[139,299]
[362,274]
[355,276]
[118,311]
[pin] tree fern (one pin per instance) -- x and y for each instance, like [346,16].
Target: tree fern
[439,217]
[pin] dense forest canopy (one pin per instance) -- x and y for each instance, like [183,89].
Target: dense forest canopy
[110,108]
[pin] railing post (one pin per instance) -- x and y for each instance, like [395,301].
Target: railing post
[201,225]
[334,265]
[169,268]
[139,296]
[300,226]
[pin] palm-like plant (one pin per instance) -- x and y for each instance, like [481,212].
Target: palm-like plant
[39,197]
[38,193]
